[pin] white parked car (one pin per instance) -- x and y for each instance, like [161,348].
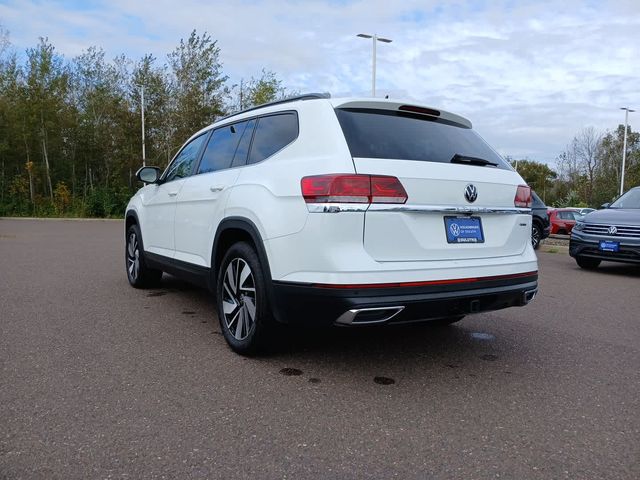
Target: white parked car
[324,211]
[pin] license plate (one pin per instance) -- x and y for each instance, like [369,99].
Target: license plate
[609,246]
[464,229]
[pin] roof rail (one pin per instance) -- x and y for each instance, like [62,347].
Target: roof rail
[306,96]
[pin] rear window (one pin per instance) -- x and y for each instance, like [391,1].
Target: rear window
[404,136]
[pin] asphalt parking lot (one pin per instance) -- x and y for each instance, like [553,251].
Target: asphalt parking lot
[99,380]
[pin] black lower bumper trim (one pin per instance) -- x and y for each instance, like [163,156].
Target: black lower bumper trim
[303,304]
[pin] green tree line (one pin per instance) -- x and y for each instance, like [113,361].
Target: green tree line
[70,129]
[587,172]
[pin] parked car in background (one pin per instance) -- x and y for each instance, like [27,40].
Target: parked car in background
[611,234]
[584,211]
[563,219]
[321,211]
[540,226]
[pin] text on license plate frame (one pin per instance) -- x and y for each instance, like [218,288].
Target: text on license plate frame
[463,229]
[609,246]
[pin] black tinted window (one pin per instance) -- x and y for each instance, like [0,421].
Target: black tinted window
[240,158]
[221,147]
[404,136]
[537,202]
[272,134]
[182,165]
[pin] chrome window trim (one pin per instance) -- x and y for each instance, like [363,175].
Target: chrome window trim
[391,207]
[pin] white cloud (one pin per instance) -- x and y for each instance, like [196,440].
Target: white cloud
[528,74]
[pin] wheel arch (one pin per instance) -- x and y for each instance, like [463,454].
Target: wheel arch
[237,229]
[232,230]
[130,218]
[537,221]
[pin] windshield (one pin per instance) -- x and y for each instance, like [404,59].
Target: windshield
[394,135]
[631,199]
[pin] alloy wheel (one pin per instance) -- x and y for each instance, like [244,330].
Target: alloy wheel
[535,236]
[239,299]
[133,257]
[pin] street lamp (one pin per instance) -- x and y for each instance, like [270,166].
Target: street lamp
[144,161]
[624,148]
[375,39]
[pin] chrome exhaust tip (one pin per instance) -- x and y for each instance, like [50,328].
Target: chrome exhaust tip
[528,296]
[368,316]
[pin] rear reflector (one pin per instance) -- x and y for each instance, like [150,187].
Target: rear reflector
[523,197]
[352,188]
[455,281]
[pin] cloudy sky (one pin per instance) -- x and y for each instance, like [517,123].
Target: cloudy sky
[528,74]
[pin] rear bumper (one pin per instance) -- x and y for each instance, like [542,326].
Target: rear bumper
[324,305]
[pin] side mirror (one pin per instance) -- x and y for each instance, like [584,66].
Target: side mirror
[605,205]
[148,174]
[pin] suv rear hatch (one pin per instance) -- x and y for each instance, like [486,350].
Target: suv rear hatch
[437,157]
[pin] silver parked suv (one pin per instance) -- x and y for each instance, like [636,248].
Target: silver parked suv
[611,234]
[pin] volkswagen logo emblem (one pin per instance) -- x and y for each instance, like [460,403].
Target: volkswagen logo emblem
[471,193]
[613,230]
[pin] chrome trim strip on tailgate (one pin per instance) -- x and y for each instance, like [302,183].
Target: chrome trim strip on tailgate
[445,209]
[391,207]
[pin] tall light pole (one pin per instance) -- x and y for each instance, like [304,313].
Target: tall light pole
[144,157]
[624,148]
[375,39]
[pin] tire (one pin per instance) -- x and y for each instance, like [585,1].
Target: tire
[138,273]
[588,263]
[536,236]
[242,301]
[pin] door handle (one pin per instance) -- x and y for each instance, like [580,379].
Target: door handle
[217,188]
[173,194]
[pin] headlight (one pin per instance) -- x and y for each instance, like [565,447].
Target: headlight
[579,226]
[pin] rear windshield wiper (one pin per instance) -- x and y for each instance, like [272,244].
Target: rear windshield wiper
[457,158]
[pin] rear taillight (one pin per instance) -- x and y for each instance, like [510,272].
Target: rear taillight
[352,188]
[523,197]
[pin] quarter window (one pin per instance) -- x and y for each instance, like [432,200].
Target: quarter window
[272,134]
[221,147]
[182,165]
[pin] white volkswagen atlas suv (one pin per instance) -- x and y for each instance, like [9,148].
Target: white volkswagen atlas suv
[322,211]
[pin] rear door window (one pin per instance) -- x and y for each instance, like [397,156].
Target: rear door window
[221,147]
[273,133]
[388,134]
[240,157]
